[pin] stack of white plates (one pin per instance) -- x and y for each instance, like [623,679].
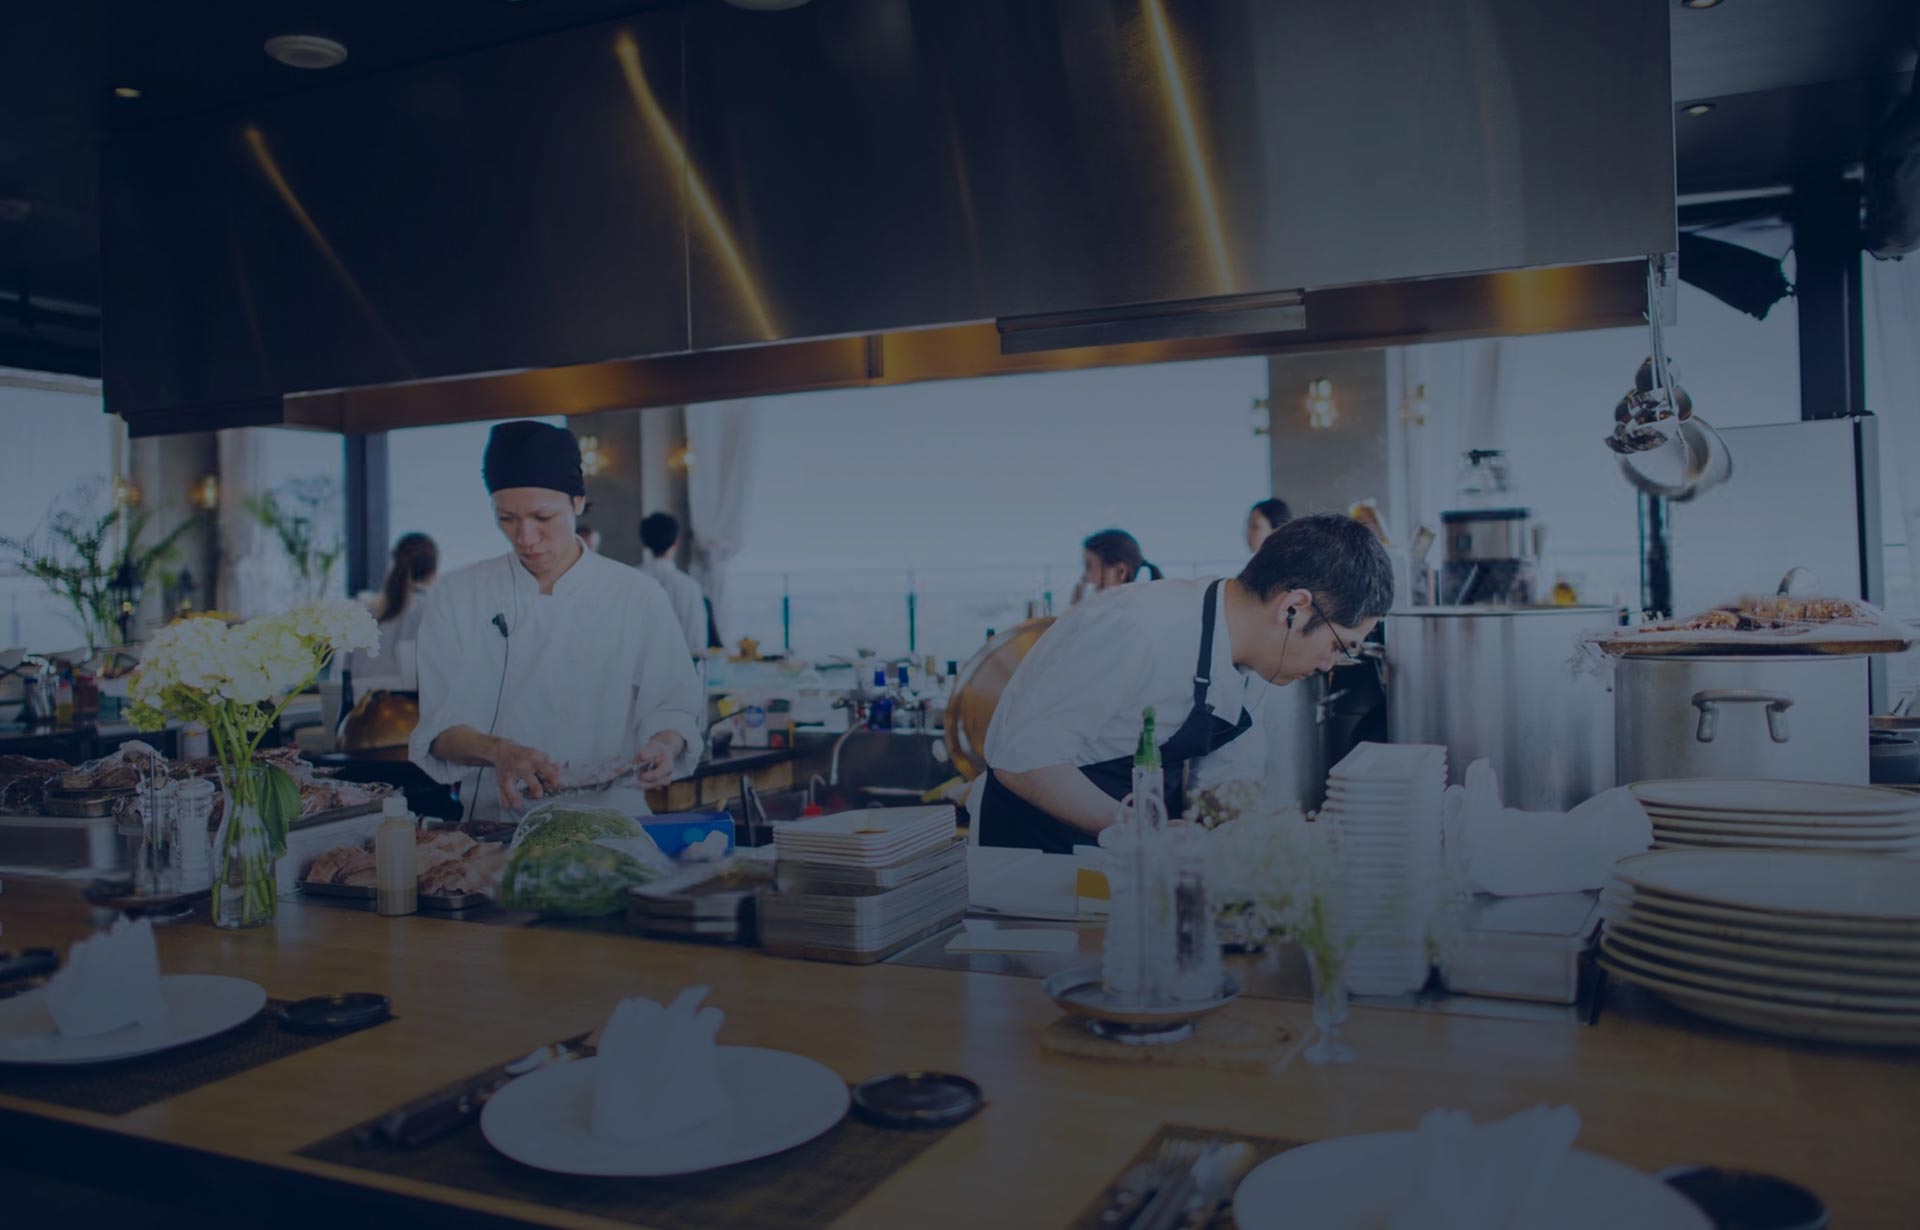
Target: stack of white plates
[1706,814]
[1384,803]
[1803,944]
[876,837]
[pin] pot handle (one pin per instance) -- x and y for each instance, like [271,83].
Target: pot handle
[1709,700]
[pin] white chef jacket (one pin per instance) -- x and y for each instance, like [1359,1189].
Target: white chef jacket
[1076,698]
[684,592]
[587,673]
[396,668]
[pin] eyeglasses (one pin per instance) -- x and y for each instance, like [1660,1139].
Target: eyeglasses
[1347,656]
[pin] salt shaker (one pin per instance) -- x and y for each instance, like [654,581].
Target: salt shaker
[1196,974]
[192,817]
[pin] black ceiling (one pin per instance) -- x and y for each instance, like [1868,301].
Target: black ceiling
[1794,83]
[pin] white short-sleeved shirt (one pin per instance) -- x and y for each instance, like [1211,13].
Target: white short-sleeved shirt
[1077,697]
[587,673]
[688,604]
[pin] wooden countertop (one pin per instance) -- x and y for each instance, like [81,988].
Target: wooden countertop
[1653,1086]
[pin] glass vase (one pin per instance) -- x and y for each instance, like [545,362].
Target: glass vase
[1329,1009]
[245,888]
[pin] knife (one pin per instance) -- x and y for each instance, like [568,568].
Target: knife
[431,1116]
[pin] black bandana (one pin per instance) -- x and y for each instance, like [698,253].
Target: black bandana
[524,453]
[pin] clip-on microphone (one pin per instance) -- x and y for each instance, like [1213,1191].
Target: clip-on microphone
[500,622]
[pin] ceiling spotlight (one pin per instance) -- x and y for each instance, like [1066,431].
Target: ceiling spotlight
[125,91]
[1698,108]
[1699,4]
[306,51]
[766,6]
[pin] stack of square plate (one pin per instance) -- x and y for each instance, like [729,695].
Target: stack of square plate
[1384,803]
[1708,814]
[1802,944]
[859,886]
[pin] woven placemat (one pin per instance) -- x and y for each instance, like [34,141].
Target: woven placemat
[804,1188]
[1263,1147]
[1239,1038]
[125,1085]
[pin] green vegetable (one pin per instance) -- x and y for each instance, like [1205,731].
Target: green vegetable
[579,879]
[565,824]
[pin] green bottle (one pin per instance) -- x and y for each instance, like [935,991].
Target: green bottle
[1147,755]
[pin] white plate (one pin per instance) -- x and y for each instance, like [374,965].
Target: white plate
[1814,933]
[1761,949]
[1845,887]
[1786,1020]
[1680,815]
[1845,827]
[1779,980]
[1887,1009]
[198,1006]
[1739,841]
[779,1101]
[1354,1182]
[1771,798]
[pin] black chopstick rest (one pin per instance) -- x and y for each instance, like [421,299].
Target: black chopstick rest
[917,1099]
[336,1014]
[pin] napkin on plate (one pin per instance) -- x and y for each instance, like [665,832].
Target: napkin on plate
[110,981]
[658,1072]
[1511,853]
[1495,1176]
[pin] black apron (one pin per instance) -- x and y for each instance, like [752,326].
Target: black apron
[1006,819]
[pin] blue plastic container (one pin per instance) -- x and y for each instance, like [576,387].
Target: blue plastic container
[673,832]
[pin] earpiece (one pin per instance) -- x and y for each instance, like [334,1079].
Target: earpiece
[1290,615]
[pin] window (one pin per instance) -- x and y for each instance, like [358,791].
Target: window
[58,439]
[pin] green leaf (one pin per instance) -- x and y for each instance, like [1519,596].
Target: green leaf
[279,805]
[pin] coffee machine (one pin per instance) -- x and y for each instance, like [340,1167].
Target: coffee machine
[1492,546]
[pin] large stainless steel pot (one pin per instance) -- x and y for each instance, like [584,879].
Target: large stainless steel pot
[1504,683]
[1791,717]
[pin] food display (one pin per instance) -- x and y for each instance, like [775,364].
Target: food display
[24,781]
[1781,623]
[448,865]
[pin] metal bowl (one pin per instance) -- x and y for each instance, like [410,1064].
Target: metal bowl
[1082,993]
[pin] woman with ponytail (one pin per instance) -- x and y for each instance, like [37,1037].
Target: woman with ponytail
[1112,558]
[398,606]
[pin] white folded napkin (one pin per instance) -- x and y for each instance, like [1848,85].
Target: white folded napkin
[658,1071]
[110,981]
[1496,1176]
[1511,853]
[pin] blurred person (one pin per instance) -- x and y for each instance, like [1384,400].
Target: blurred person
[1109,559]
[398,606]
[660,534]
[589,537]
[1263,519]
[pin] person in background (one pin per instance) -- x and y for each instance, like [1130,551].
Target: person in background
[589,537]
[397,608]
[660,535]
[1263,519]
[1060,749]
[550,655]
[1109,559]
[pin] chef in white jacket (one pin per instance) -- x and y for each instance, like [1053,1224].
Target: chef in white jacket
[1199,653]
[550,655]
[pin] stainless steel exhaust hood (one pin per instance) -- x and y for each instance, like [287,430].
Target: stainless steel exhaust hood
[705,197]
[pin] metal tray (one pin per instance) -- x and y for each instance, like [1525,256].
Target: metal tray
[1082,993]
[82,804]
[359,892]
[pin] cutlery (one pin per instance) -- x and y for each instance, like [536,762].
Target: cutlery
[1132,1191]
[428,1118]
[1170,1203]
[1218,1174]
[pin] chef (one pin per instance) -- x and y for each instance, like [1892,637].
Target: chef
[550,655]
[1060,748]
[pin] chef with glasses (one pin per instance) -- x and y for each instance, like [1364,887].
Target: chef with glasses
[1060,748]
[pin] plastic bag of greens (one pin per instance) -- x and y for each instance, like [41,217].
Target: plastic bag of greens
[565,822]
[580,878]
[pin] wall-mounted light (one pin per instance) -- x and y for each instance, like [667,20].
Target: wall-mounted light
[205,494]
[126,492]
[1413,408]
[1260,416]
[1699,108]
[593,459]
[682,459]
[1322,412]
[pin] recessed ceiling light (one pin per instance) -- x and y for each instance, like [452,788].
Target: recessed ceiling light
[306,51]
[1698,108]
[125,91]
[766,6]
[1699,4]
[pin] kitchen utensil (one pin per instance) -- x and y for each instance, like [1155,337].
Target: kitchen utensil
[1168,1207]
[1495,683]
[1082,993]
[428,1118]
[1356,1181]
[335,1014]
[1215,1178]
[198,1006]
[1800,717]
[776,1101]
[1133,1190]
[917,1099]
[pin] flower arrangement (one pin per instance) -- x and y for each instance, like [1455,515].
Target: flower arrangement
[236,681]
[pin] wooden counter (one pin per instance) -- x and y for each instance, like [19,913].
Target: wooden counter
[1654,1087]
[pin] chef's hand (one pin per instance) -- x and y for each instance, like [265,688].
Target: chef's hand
[516,765]
[655,760]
